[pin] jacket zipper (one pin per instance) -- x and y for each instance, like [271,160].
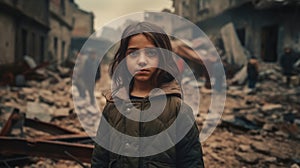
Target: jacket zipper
[140,132]
[122,158]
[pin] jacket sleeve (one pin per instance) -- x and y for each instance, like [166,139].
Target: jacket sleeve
[188,150]
[100,156]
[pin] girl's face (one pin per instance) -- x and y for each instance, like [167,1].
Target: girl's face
[141,58]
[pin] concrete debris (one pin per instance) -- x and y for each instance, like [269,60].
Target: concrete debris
[256,130]
[250,158]
[271,107]
[244,148]
[234,50]
[240,77]
[295,166]
[39,111]
[264,4]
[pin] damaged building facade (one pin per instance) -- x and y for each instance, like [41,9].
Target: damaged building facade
[83,28]
[61,25]
[84,22]
[262,27]
[23,30]
[40,29]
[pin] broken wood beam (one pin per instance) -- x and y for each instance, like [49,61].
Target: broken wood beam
[47,127]
[45,148]
[69,138]
[13,119]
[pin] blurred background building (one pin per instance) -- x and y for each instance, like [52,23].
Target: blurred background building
[41,29]
[264,27]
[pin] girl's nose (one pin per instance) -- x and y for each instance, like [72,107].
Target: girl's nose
[142,59]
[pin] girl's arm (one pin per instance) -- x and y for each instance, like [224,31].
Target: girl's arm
[100,157]
[189,150]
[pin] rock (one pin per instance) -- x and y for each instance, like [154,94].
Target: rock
[92,109]
[54,75]
[46,83]
[87,122]
[61,85]
[271,107]
[203,90]
[281,154]
[46,96]
[216,146]
[47,99]
[270,159]
[27,90]
[45,92]
[62,101]
[269,127]
[290,129]
[244,148]
[260,147]
[61,112]
[274,116]
[30,97]
[217,158]
[250,158]
[229,117]
[63,71]
[281,133]
[295,166]
[14,104]
[240,122]
[297,121]
[38,110]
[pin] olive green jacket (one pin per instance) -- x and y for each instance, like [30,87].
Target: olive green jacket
[187,153]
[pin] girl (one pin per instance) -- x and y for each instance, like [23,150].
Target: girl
[147,67]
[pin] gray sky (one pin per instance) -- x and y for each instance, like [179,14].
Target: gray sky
[107,10]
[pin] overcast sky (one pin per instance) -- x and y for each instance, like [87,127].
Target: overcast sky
[107,10]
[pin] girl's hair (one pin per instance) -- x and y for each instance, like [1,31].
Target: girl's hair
[159,38]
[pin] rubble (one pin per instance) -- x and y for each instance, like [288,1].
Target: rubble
[234,49]
[257,130]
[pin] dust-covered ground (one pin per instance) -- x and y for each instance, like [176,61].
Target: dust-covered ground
[259,129]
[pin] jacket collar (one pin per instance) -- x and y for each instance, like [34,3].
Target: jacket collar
[170,88]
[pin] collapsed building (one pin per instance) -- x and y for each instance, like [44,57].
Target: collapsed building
[264,27]
[39,32]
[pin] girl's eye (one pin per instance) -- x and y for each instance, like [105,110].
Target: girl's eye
[133,53]
[151,52]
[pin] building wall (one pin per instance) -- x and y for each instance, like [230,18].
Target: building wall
[260,26]
[62,10]
[37,10]
[59,41]
[210,8]
[110,34]
[82,30]
[257,25]
[61,25]
[31,40]
[197,10]
[161,19]
[41,29]
[183,8]
[7,42]
[22,16]
[83,23]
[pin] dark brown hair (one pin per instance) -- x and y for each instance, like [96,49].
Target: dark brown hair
[160,39]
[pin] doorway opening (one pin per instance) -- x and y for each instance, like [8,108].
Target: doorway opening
[269,41]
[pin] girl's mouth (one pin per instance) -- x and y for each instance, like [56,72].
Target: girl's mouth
[142,71]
